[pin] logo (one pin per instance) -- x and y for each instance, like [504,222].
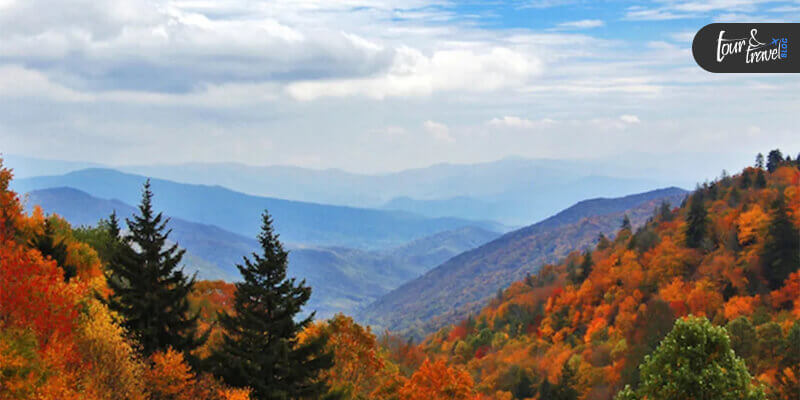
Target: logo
[747,48]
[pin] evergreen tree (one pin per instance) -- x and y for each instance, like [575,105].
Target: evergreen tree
[696,220]
[760,161]
[745,182]
[260,348]
[51,246]
[774,160]
[150,291]
[665,211]
[781,252]
[586,266]
[626,223]
[761,179]
[565,388]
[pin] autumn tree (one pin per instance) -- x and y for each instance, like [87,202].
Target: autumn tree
[781,253]
[694,361]
[437,381]
[149,289]
[260,347]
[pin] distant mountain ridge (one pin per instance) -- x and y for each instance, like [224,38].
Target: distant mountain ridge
[514,191]
[342,279]
[298,222]
[465,282]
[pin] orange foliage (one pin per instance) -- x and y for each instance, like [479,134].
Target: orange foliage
[435,381]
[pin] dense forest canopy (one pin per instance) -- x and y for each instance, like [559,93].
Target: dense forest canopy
[702,301]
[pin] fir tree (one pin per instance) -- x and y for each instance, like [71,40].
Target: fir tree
[260,348]
[51,246]
[759,161]
[150,291]
[781,253]
[745,182]
[626,223]
[696,220]
[565,389]
[761,179]
[774,160]
[586,266]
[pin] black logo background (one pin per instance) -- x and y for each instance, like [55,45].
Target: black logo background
[704,48]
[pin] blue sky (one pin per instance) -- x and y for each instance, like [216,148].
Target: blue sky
[380,85]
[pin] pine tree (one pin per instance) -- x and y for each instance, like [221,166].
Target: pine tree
[759,161]
[51,246]
[781,253]
[696,220]
[260,348]
[774,160]
[586,266]
[626,223]
[150,291]
[761,179]
[565,389]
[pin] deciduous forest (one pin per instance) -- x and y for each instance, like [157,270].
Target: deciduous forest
[702,301]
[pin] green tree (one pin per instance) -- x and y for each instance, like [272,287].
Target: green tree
[260,348]
[50,245]
[696,220]
[743,336]
[761,179]
[760,161]
[565,388]
[789,366]
[626,223]
[774,160]
[149,289]
[694,361]
[781,252]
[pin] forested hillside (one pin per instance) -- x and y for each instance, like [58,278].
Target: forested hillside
[581,328]
[344,279]
[465,283]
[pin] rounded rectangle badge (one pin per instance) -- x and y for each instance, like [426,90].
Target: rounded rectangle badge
[748,48]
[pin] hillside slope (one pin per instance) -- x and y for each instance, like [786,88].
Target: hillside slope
[464,283]
[298,222]
[342,279]
[731,254]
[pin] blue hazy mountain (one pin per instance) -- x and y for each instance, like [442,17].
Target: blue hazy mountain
[514,191]
[342,279]
[298,222]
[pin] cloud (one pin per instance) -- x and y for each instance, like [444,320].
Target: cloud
[517,122]
[414,74]
[629,119]
[438,131]
[581,24]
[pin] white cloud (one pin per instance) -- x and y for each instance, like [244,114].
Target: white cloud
[581,24]
[438,131]
[629,119]
[414,74]
[517,122]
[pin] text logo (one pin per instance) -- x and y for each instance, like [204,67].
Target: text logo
[747,48]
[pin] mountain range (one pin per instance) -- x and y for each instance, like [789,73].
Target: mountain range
[298,222]
[463,284]
[343,279]
[513,191]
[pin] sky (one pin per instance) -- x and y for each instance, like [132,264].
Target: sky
[381,85]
